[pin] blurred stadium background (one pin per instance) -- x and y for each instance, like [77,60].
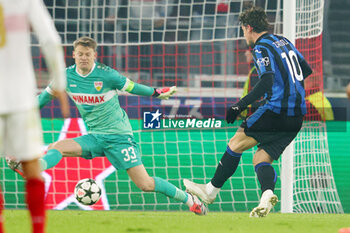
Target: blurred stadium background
[198,46]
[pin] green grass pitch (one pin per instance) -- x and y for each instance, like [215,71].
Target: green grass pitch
[167,222]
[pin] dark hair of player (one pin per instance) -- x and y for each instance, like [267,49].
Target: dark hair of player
[256,18]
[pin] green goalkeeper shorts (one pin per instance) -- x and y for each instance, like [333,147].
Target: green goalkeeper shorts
[120,149]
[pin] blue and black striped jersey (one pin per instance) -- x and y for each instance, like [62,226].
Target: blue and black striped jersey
[277,55]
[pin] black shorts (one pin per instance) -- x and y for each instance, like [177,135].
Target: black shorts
[273,131]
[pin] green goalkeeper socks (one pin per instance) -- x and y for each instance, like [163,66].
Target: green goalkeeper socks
[50,160]
[169,190]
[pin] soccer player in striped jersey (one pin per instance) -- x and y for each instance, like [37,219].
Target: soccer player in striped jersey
[93,88]
[282,70]
[20,127]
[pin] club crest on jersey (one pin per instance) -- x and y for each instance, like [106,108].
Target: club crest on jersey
[264,61]
[98,85]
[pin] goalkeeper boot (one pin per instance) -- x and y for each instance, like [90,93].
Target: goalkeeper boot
[198,207]
[15,165]
[267,202]
[199,190]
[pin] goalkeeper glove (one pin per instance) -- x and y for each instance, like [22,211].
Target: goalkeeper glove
[164,93]
[232,113]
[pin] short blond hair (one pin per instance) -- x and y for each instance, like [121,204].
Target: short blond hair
[86,42]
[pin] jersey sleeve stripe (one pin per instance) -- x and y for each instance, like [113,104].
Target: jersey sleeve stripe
[128,86]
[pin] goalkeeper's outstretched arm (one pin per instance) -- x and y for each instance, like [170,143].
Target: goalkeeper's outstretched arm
[143,90]
[134,88]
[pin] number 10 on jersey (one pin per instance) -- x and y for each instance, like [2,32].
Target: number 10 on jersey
[293,65]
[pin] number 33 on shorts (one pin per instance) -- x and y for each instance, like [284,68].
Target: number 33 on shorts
[129,154]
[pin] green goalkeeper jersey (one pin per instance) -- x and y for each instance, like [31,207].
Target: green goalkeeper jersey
[96,98]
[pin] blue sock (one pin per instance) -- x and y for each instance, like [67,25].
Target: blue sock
[169,190]
[50,160]
[267,176]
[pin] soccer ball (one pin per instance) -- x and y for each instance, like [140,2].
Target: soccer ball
[87,192]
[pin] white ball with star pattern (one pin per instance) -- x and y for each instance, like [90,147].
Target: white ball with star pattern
[87,192]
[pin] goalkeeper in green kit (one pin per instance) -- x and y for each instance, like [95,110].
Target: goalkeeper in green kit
[93,88]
